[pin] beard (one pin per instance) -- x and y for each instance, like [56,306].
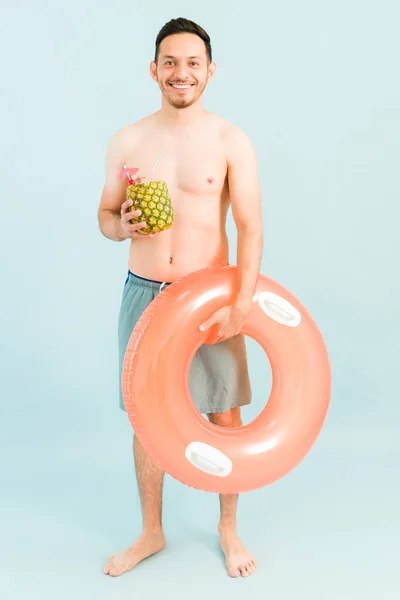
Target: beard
[176,101]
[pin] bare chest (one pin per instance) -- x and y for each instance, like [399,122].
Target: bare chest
[191,165]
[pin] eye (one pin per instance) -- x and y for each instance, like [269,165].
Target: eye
[194,63]
[168,62]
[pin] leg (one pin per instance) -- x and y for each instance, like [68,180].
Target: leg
[150,481]
[238,559]
[137,295]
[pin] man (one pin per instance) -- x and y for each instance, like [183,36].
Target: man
[208,164]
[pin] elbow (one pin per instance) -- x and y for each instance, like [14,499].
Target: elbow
[99,219]
[250,230]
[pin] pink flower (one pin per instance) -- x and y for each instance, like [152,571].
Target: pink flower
[127,172]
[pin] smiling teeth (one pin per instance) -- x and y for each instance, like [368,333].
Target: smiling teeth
[181,87]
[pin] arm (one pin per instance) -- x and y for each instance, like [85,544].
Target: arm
[113,195]
[245,197]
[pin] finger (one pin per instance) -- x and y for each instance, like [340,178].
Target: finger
[136,229]
[129,215]
[209,322]
[126,205]
[134,226]
[206,325]
[137,226]
[216,339]
[138,234]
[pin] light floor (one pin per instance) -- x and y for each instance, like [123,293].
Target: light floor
[327,531]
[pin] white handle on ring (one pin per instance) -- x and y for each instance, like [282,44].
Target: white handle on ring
[208,459]
[279,309]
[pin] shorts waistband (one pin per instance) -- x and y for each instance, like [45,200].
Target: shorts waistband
[144,282]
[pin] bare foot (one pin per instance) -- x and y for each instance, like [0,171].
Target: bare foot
[145,546]
[238,560]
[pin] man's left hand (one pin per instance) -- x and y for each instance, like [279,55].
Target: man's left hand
[228,320]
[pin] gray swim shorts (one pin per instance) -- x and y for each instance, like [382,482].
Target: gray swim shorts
[218,375]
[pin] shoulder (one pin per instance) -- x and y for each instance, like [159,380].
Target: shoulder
[132,133]
[236,142]
[231,134]
[227,130]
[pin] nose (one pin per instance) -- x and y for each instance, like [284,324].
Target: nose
[180,72]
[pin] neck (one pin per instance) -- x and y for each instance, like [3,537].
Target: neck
[180,117]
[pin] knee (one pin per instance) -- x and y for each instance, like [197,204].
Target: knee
[229,418]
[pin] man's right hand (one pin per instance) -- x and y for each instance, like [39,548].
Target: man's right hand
[128,229]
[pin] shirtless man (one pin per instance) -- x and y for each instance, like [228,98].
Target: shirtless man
[208,165]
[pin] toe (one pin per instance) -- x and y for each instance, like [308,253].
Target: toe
[243,571]
[107,567]
[251,568]
[233,571]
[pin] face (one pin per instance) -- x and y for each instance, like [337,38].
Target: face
[182,70]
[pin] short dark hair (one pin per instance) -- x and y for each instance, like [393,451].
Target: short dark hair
[182,25]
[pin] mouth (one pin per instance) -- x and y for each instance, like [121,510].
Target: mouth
[181,87]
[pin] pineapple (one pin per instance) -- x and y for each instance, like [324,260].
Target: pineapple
[152,199]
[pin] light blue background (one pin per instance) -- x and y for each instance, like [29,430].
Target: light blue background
[314,84]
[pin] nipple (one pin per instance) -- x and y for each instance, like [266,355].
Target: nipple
[210,180]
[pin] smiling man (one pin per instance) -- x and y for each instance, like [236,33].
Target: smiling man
[209,165]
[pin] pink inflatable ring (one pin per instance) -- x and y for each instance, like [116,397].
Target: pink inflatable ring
[158,402]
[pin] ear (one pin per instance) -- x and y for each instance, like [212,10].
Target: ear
[212,68]
[153,71]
